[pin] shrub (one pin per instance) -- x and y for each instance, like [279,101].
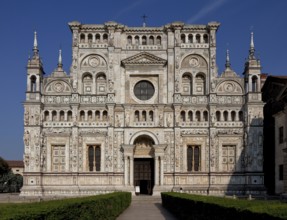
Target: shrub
[107,206]
[187,206]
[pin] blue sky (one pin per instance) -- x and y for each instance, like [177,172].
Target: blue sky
[19,18]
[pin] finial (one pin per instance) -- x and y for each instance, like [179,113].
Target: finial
[144,17]
[35,48]
[35,40]
[227,64]
[60,64]
[252,41]
[252,48]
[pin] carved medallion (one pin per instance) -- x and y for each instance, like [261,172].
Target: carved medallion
[228,87]
[58,87]
[193,62]
[94,61]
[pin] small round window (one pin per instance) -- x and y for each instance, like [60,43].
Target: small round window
[144,90]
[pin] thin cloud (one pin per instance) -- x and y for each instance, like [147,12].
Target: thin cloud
[205,10]
[127,9]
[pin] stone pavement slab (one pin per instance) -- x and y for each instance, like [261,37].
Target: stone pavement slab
[146,208]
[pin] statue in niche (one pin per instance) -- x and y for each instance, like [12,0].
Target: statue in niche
[169,120]
[111,85]
[111,40]
[176,84]
[26,138]
[127,119]
[26,117]
[26,160]
[160,119]
[118,122]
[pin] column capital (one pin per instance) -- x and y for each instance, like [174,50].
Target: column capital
[128,149]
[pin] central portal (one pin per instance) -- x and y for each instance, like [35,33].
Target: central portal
[144,174]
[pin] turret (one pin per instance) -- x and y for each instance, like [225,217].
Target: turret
[252,70]
[34,73]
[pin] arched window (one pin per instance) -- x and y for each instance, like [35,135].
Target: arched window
[150,115]
[144,41]
[98,158]
[87,83]
[101,83]
[158,40]
[82,116]
[190,38]
[90,115]
[54,116]
[94,158]
[98,115]
[62,115]
[182,37]
[105,115]
[205,38]
[254,84]
[193,158]
[233,114]
[33,83]
[98,38]
[129,39]
[90,38]
[143,115]
[105,38]
[46,116]
[197,38]
[218,116]
[187,84]
[82,38]
[197,115]
[151,40]
[225,115]
[137,40]
[241,118]
[200,84]
[182,116]
[205,116]
[70,116]
[137,116]
[190,116]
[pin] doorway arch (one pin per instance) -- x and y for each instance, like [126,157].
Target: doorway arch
[144,172]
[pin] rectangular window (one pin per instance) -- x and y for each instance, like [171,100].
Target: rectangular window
[228,158]
[94,157]
[58,158]
[281,172]
[281,135]
[193,158]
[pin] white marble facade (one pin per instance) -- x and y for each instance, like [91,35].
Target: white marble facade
[143,106]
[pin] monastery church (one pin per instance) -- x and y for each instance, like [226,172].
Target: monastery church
[143,109]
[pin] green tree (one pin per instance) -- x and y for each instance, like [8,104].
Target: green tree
[4,167]
[9,182]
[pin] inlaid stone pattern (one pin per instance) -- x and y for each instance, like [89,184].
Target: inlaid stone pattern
[142,95]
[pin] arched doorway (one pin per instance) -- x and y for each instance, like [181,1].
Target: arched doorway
[144,164]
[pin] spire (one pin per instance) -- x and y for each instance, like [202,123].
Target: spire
[252,48]
[227,64]
[35,48]
[60,64]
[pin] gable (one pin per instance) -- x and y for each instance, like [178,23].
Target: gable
[229,87]
[58,86]
[143,59]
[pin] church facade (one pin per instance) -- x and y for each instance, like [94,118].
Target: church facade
[145,110]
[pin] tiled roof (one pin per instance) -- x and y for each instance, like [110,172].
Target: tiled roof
[15,163]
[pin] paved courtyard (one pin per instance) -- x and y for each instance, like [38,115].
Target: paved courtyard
[146,208]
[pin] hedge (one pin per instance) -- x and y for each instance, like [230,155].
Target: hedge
[187,206]
[107,206]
